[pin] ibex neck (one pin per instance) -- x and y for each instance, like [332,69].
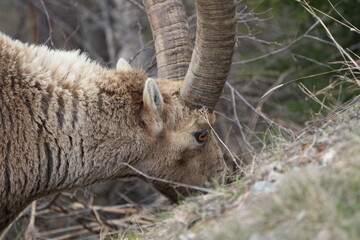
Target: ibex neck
[53,140]
[54,132]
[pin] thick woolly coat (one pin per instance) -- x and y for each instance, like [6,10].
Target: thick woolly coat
[67,122]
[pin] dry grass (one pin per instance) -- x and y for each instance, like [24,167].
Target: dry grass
[305,189]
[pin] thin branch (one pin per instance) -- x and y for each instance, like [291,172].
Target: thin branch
[31,232]
[346,56]
[311,60]
[109,36]
[271,122]
[138,5]
[278,50]
[319,39]
[277,84]
[207,190]
[243,136]
[48,22]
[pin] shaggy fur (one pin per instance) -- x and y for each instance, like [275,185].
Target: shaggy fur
[67,122]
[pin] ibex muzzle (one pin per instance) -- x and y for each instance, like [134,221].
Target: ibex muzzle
[67,122]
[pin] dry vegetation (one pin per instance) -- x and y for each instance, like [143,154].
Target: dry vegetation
[307,187]
[295,182]
[302,189]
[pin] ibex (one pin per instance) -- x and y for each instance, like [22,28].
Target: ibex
[66,122]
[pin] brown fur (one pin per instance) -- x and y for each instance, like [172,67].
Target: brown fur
[66,122]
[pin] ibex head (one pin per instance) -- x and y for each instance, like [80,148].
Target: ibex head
[179,145]
[182,147]
[178,108]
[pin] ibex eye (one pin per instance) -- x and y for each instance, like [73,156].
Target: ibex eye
[201,136]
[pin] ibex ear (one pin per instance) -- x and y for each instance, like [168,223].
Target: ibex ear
[123,65]
[152,98]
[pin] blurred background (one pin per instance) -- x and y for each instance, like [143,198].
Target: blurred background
[286,72]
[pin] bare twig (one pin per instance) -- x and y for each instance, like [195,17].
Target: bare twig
[271,122]
[109,36]
[207,190]
[277,84]
[226,147]
[312,96]
[278,50]
[7,229]
[137,4]
[48,22]
[311,60]
[244,138]
[31,232]
[346,56]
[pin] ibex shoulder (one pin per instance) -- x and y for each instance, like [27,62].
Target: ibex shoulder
[71,70]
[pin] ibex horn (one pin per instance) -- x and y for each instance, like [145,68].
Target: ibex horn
[171,35]
[212,55]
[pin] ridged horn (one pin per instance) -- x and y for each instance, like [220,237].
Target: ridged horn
[205,76]
[212,55]
[171,35]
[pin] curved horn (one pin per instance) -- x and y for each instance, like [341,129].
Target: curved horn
[171,35]
[212,55]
